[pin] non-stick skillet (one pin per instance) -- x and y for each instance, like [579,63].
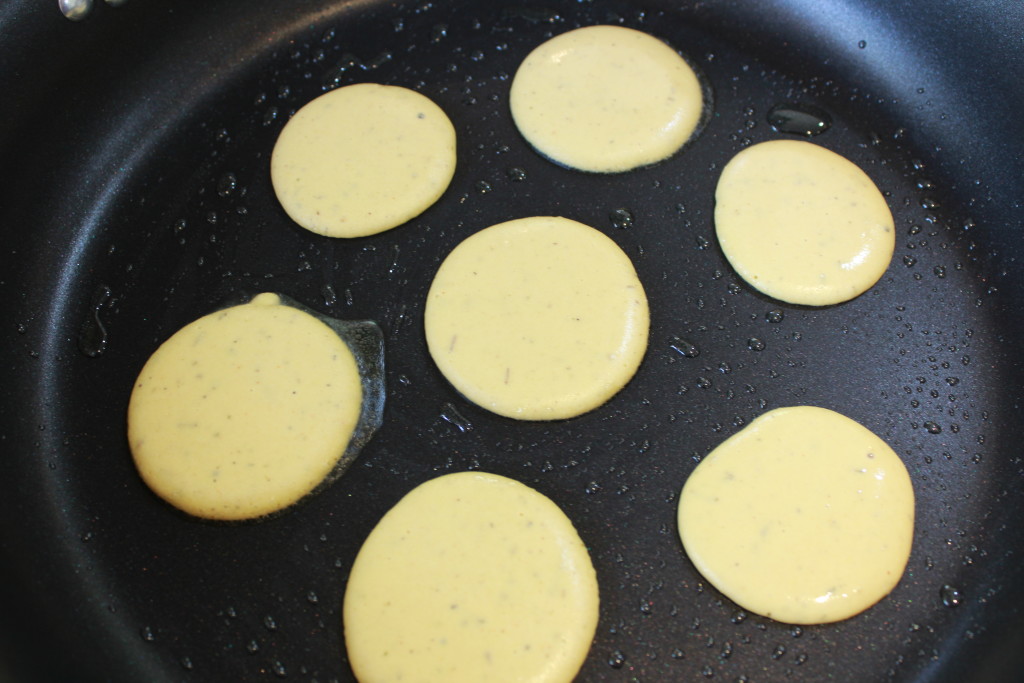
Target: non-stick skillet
[135,197]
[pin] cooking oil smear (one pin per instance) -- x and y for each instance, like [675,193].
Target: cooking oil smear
[451,415]
[799,119]
[92,337]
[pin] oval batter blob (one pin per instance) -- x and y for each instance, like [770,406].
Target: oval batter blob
[606,99]
[471,577]
[244,411]
[540,318]
[804,516]
[363,159]
[802,224]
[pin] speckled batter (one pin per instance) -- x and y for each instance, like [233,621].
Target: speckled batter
[471,577]
[244,411]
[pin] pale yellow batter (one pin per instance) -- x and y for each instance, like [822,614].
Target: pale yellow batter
[606,99]
[471,577]
[802,224]
[539,318]
[244,411]
[804,516]
[362,159]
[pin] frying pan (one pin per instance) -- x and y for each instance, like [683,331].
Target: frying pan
[136,198]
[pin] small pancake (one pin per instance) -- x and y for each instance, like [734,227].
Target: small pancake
[471,577]
[606,99]
[244,411]
[540,318]
[804,516]
[363,159]
[802,224]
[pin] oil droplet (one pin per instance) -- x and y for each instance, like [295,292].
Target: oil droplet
[621,218]
[75,10]
[451,415]
[932,427]
[92,338]
[186,663]
[533,15]
[678,654]
[269,622]
[951,596]
[708,671]
[778,651]
[516,174]
[279,670]
[755,344]
[799,119]
[329,295]
[147,634]
[252,647]
[227,184]
[483,187]
[775,315]
[684,348]
[616,659]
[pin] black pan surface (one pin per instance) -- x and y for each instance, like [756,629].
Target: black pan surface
[136,198]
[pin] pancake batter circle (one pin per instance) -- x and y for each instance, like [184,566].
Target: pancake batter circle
[363,159]
[606,99]
[244,411]
[540,318]
[471,577]
[802,224]
[804,516]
